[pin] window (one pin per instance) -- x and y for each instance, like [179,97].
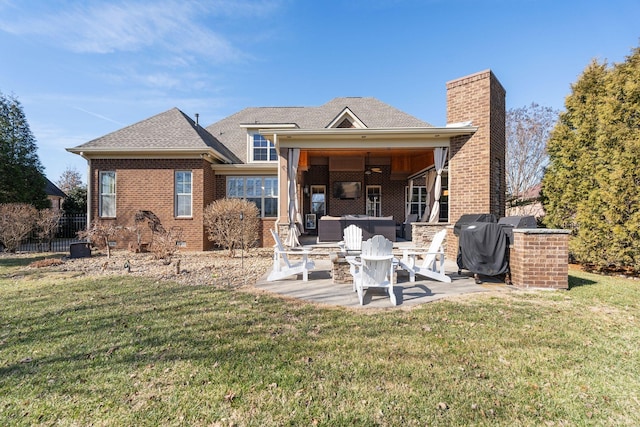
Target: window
[263,149]
[374,204]
[108,194]
[444,199]
[261,190]
[318,197]
[183,194]
[417,201]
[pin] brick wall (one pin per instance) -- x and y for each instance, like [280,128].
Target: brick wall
[477,163]
[539,258]
[148,184]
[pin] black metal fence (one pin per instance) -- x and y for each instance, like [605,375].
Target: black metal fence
[68,227]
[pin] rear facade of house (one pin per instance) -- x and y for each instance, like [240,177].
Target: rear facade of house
[305,165]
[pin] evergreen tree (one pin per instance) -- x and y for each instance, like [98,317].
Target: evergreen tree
[21,173]
[591,184]
[76,201]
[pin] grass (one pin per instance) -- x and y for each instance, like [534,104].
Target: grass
[131,351]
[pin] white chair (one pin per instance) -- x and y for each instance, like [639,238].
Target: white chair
[352,240]
[433,263]
[283,267]
[374,268]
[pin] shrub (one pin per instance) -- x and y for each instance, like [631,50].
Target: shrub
[100,234]
[47,222]
[16,222]
[232,224]
[164,243]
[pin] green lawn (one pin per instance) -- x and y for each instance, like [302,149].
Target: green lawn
[131,351]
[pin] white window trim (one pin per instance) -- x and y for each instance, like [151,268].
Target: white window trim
[263,197]
[324,191]
[176,194]
[101,194]
[421,205]
[377,205]
[250,148]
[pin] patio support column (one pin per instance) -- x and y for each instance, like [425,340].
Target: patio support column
[282,224]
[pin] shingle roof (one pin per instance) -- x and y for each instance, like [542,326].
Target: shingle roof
[52,190]
[175,130]
[172,129]
[371,111]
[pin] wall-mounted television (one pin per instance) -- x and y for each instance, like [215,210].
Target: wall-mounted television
[347,189]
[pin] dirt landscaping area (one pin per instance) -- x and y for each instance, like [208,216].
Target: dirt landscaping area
[188,268]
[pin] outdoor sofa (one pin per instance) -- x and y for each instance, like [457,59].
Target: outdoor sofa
[330,228]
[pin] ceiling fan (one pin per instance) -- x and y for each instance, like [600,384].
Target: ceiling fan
[371,169]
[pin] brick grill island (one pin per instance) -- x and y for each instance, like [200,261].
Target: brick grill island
[539,258]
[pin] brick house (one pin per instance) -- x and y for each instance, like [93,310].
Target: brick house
[351,156]
[55,195]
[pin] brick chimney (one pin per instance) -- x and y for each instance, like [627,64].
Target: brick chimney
[477,163]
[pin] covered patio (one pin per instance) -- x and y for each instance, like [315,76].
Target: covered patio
[399,175]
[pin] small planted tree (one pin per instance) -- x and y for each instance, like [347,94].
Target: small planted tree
[164,244]
[47,222]
[232,224]
[101,234]
[16,222]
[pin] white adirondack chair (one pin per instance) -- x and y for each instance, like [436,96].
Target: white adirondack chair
[374,267]
[432,265]
[283,267]
[352,240]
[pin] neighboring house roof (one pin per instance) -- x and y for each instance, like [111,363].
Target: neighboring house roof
[531,193]
[372,112]
[52,190]
[172,130]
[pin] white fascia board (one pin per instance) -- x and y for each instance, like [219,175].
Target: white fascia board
[384,133]
[422,137]
[347,113]
[149,153]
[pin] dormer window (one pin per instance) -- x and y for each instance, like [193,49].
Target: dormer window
[263,149]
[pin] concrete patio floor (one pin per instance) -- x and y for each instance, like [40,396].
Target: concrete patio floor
[320,289]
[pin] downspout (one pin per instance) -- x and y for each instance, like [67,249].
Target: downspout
[89,192]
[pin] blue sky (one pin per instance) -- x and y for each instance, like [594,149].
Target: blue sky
[82,69]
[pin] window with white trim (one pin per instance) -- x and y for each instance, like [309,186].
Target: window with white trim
[108,194]
[183,193]
[262,149]
[374,200]
[261,190]
[318,200]
[417,201]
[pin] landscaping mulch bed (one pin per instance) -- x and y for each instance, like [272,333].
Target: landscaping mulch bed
[188,268]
